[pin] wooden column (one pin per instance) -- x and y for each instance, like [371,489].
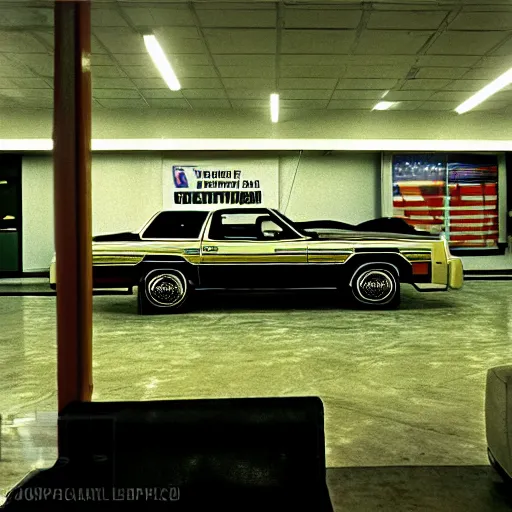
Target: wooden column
[72,187]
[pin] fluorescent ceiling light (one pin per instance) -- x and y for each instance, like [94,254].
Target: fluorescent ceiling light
[158,56]
[274,107]
[490,89]
[384,105]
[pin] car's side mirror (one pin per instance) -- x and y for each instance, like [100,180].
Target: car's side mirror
[270,229]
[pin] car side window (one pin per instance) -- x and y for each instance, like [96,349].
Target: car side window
[176,225]
[255,226]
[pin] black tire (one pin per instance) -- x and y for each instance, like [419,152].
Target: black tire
[163,291]
[376,286]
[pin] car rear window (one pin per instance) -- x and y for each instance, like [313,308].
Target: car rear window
[176,225]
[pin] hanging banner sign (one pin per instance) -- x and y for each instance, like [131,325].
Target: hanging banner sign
[198,187]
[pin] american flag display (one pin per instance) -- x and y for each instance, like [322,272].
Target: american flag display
[454,194]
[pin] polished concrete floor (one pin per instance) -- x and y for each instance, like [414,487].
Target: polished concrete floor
[401,389]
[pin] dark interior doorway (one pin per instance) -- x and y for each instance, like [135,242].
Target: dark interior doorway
[11,263]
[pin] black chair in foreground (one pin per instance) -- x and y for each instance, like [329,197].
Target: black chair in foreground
[187,455]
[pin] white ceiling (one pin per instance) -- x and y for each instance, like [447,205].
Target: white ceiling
[430,55]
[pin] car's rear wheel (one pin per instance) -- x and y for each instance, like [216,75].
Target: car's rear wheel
[163,291]
[376,286]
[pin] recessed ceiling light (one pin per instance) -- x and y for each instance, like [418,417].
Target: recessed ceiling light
[274,107]
[384,105]
[158,56]
[490,89]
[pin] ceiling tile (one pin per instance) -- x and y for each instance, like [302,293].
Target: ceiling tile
[382,60]
[46,94]
[437,105]
[18,42]
[34,103]
[106,72]
[351,104]
[488,74]
[300,104]
[195,71]
[249,83]
[160,16]
[111,83]
[250,5]
[317,41]
[465,43]
[242,104]
[143,59]
[466,85]
[201,83]
[482,21]
[168,103]
[312,71]
[249,94]
[204,93]
[349,94]
[23,83]
[451,73]
[24,16]
[307,83]
[314,60]
[245,60]
[105,17]
[97,60]
[455,96]
[176,40]
[161,94]
[505,49]
[246,72]
[210,103]
[497,62]
[407,105]
[492,105]
[457,61]
[366,83]
[376,71]
[407,95]
[241,40]
[406,20]
[151,83]
[389,42]
[45,39]
[424,84]
[306,94]
[120,40]
[216,17]
[115,93]
[122,103]
[300,17]
[12,70]
[148,71]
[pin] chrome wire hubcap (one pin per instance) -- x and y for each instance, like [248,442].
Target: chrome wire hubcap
[375,286]
[166,290]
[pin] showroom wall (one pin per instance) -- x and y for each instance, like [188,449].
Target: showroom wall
[339,186]
[127,190]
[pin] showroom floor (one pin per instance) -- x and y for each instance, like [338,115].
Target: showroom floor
[400,388]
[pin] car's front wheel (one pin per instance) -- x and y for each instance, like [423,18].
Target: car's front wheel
[163,291]
[376,286]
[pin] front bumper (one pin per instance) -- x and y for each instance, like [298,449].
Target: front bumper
[455,273]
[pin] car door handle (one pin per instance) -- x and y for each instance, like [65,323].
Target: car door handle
[210,248]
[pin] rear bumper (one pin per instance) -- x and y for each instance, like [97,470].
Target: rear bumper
[455,273]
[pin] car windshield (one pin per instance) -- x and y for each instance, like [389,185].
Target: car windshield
[292,224]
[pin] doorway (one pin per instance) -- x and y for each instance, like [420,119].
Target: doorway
[10,216]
